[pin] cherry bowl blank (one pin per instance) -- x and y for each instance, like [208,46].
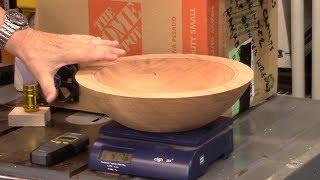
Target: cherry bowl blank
[166,92]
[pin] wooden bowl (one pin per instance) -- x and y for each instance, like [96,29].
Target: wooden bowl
[166,92]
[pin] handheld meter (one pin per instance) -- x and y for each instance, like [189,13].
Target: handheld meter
[59,149]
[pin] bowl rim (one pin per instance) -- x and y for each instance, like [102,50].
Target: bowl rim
[243,75]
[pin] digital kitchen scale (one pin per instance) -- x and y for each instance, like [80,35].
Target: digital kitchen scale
[185,155]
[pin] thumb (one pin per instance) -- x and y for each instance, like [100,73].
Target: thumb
[46,82]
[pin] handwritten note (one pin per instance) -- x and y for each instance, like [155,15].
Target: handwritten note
[250,19]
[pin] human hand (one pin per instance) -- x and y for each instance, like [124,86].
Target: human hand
[44,53]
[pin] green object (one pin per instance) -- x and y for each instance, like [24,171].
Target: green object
[235,55]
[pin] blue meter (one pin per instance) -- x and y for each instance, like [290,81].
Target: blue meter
[185,155]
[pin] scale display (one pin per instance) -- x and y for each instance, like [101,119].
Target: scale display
[116,157]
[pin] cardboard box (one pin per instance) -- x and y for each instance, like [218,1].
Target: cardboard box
[159,26]
[6,58]
[145,27]
[256,22]
[212,27]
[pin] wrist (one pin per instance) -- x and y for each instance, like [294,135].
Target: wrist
[2,14]
[13,31]
[16,42]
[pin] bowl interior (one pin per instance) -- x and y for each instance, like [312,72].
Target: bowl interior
[164,75]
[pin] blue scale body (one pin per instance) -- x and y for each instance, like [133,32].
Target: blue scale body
[185,155]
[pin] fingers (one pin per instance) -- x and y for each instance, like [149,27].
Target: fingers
[105,42]
[103,53]
[99,53]
[94,53]
[95,40]
[84,38]
[47,85]
[117,51]
[83,48]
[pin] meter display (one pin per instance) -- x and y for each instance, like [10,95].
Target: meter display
[66,138]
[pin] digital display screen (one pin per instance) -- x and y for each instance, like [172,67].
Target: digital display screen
[116,157]
[66,138]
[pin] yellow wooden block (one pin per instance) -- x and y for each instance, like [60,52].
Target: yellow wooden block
[19,118]
[28,4]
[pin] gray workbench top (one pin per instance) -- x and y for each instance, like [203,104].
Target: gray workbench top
[279,139]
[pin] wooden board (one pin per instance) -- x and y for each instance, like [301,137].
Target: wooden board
[18,117]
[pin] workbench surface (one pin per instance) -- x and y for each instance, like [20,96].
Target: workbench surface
[279,139]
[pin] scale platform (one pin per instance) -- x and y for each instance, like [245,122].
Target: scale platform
[185,155]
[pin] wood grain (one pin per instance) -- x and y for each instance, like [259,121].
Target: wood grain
[166,92]
[19,118]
